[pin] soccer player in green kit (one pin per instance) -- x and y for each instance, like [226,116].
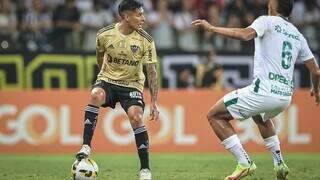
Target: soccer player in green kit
[278,44]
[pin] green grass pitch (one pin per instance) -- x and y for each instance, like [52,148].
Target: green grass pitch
[174,166]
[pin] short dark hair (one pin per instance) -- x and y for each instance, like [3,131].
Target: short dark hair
[128,5]
[285,7]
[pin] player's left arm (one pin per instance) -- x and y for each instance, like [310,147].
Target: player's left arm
[244,34]
[152,81]
[314,70]
[151,60]
[310,62]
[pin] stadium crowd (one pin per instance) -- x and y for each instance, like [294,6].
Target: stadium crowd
[71,25]
[53,25]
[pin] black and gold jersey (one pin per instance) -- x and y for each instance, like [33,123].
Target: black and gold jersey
[124,56]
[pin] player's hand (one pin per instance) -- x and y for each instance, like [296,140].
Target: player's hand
[202,24]
[154,112]
[316,95]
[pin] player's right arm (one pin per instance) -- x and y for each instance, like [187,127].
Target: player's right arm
[256,29]
[100,50]
[100,56]
[244,34]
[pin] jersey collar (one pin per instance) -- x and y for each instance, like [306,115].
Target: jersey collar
[122,35]
[283,17]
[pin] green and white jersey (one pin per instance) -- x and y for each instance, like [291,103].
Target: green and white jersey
[277,47]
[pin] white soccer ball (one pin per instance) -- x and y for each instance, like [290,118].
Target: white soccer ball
[86,169]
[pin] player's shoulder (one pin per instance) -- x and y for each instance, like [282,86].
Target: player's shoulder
[106,29]
[263,17]
[268,18]
[145,35]
[295,30]
[262,20]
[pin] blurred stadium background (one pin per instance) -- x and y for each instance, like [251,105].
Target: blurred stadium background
[47,65]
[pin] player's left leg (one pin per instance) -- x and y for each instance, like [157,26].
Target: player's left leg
[272,142]
[135,115]
[219,118]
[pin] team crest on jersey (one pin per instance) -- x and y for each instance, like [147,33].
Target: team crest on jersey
[134,48]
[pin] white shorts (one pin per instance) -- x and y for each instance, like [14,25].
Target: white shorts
[244,103]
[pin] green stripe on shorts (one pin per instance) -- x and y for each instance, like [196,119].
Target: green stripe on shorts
[231,102]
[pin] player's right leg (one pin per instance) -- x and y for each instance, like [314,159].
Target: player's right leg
[97,98]
[219,118]
[272,143]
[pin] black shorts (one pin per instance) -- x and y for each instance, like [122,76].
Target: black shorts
[125,95]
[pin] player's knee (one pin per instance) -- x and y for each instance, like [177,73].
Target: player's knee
[97,97]
[136,120]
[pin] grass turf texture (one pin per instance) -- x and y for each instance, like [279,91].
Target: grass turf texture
[164,166]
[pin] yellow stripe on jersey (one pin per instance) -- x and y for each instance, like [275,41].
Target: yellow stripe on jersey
[144,34]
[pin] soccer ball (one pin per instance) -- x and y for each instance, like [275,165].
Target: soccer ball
[86,169]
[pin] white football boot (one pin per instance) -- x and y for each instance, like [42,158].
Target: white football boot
[145,174]
[84,152]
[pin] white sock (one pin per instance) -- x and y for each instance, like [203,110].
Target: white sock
[233,145]
[273,144]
